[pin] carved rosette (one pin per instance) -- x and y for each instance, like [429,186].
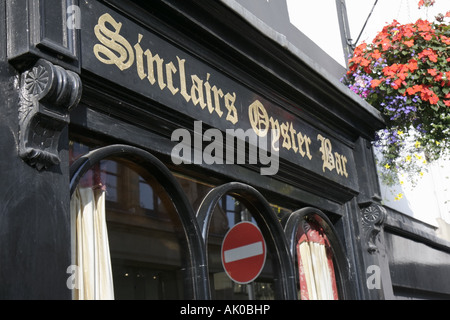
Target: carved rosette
[372,218]
[47,94]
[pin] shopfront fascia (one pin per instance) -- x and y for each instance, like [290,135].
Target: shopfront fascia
[121,77]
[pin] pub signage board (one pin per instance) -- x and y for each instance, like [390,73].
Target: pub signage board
[120,50]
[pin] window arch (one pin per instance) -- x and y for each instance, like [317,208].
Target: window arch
[145,163]
[266,220]
[310,225]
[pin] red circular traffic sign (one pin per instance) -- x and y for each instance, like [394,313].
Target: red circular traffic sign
[243,252]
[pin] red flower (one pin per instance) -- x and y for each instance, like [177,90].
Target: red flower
[360,49]
[364,62]
[423,25]
[376,54]
[439,77]
[408,30]
[428,94]
[391,71]
[445,39]
[432,72]
[402,74]
[375,83]
[428,53]
[412,65]
[426,36]
[409,43]
[385,44]
[434,99]
[447,103]
[398,83]
[414,89]
[426,3]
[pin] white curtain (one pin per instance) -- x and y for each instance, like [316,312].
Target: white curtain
[316,270]
[95,281]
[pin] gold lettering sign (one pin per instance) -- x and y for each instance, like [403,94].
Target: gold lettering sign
[115,49]
[291,139]
[201,92]
[332,161]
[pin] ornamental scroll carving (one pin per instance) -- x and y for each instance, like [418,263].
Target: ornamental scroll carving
[372,218]
[47,94]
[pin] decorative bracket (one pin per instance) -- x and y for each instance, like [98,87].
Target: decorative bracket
[47,94]
[372,217]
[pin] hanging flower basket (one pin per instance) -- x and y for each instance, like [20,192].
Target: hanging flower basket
[405,74]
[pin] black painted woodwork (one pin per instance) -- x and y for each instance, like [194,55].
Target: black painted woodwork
[115,108]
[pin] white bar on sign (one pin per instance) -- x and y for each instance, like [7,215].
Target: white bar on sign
[247,251]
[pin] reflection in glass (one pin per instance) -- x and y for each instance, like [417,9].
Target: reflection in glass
[145,236]
[228,213]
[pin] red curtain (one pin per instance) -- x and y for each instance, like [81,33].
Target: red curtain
[315,264]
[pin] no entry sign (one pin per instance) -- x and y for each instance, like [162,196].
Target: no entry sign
[243,252]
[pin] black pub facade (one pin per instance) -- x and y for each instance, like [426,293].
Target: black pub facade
[144,142]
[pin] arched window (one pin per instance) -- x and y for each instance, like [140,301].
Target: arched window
[322,268]
[221,209]
[134,236]
[315,263]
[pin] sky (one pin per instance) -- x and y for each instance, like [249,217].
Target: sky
[318,19]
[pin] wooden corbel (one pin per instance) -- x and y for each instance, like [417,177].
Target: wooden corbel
[47,94]
[372,218]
